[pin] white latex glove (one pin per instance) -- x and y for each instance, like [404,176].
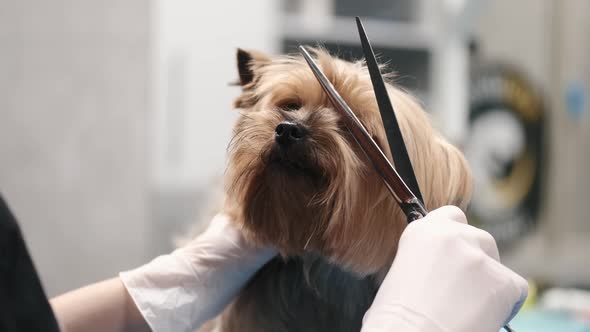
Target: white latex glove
[446,277]
[181,291]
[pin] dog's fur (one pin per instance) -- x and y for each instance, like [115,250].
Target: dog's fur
[321,203]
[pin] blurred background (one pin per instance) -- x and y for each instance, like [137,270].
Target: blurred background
[115,116]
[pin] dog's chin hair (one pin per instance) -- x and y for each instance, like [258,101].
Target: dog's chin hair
[279,201]
[328,209]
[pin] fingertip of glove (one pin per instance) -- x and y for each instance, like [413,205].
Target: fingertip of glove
[449,212]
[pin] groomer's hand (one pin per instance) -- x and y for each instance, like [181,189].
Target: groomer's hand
[446,277]
[181,291]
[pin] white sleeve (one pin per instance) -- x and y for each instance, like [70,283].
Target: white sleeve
[181,291]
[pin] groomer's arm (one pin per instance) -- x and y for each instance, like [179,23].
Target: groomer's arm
[102,307]
[177,292]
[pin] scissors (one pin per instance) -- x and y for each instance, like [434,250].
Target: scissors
[401,180]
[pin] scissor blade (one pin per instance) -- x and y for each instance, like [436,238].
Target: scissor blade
[392,180]
[397,146]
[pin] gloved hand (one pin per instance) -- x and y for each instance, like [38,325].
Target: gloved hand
[181,291]
[446,277]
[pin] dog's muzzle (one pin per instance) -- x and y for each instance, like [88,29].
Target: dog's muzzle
[288,133]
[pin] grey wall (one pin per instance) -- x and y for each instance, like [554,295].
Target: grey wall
[74,111]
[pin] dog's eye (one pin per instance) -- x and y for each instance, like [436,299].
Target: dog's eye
[290,105]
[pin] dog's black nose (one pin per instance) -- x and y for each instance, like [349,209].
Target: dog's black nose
[289,132]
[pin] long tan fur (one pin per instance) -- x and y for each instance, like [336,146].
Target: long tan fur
[327,207]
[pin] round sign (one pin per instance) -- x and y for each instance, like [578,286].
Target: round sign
[504,147]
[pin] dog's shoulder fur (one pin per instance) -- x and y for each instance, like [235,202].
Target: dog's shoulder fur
[301,294]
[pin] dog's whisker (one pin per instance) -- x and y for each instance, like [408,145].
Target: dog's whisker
[246,116]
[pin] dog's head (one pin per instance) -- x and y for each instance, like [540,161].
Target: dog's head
[296,178]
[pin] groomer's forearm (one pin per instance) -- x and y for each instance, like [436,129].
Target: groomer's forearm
[102,307]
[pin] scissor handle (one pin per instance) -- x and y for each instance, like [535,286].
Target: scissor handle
[413,209]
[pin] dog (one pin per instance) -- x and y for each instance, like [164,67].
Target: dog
[296,180]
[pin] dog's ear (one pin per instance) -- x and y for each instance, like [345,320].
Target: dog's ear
[248,63]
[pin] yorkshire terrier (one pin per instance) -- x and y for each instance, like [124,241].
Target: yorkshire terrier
[297,180]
